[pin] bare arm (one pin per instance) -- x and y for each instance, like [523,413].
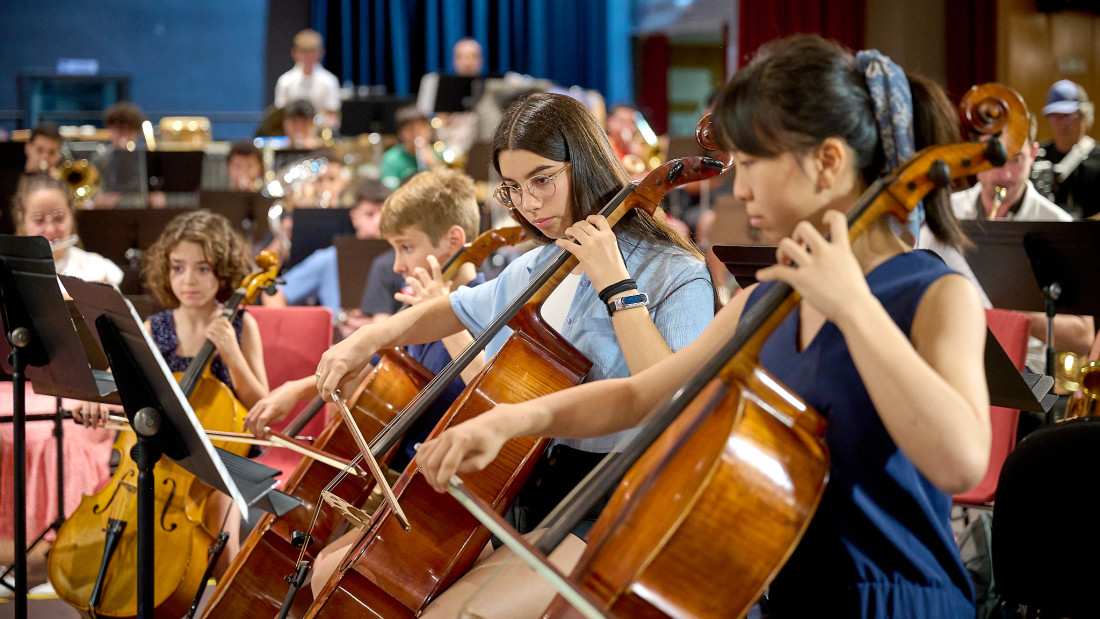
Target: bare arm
[596,248]
[930,392]
[1071,333]
[423,323]
[621,403]
[929,389]
[273,300]
[277,404]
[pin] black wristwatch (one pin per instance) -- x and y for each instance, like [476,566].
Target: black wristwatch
[628,301]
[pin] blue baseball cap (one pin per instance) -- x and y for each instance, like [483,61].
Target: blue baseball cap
[1065,97]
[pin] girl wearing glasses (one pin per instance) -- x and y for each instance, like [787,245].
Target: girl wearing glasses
[558,170]
[887,343]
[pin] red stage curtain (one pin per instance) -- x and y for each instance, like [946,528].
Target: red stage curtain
[971,37]
[760,22]
[653,82]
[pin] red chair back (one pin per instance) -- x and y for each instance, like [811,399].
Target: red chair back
[293,339]
[1011,330]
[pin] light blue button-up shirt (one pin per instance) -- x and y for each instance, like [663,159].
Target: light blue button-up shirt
[681,304]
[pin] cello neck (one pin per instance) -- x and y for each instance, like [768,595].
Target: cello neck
[201,361]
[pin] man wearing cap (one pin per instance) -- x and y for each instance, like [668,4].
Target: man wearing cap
[1067,168]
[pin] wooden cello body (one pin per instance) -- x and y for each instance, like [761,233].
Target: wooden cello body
[92,564]
[730,486]
[394,573]
[254,586]
[742,439]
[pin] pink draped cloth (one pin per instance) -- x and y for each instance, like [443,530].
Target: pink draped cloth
[87,464]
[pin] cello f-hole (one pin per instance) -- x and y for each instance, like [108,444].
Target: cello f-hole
[98,509]
[164,512]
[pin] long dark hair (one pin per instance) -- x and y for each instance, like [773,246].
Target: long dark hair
[559,128]
[800,90]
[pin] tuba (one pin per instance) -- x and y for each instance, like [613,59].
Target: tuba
[81,176]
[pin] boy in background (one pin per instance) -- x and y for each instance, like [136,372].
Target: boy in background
[426,221]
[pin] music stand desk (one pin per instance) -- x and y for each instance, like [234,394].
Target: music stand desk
[112,232]
[1014,260]
[354,258]
[314,228]
[28,262]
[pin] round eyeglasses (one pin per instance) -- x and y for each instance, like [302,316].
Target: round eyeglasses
[541,187]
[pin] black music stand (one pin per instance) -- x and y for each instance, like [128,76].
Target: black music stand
[1037,266]
[247,210]
[457,93]
[314,229]
[1008,387]
[115,234]
[354,258]
[165,424]
[371,115]
[42,345]
[174,170]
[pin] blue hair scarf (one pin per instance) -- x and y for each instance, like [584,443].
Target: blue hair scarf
[893,102]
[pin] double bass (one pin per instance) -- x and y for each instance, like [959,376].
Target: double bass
[254,584]
[390,572]
[724,477]
[92,564]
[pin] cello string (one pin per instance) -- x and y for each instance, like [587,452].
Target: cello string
[317,510]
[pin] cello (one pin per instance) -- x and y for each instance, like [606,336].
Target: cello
[393,573]
[725,476]
[96,573]
[248,588]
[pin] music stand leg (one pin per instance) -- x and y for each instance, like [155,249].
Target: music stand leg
[145,453]
[19,461]
[1051,294]
[59,441]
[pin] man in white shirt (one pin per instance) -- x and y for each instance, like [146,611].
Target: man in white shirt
[308,80]
[1006,193]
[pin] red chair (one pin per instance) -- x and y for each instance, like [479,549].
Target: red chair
[1011,330]
[294,339]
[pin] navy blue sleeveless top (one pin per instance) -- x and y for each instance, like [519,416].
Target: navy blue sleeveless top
[164,335]
[880,544]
